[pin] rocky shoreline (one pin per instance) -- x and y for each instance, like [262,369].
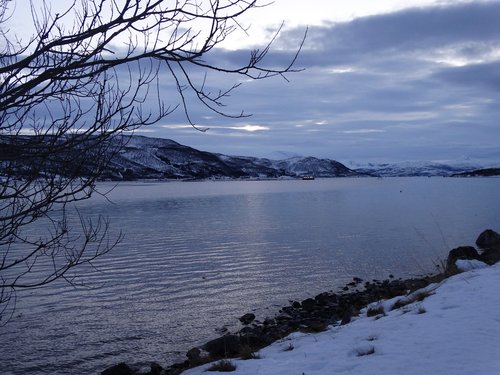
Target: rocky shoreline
[317,313]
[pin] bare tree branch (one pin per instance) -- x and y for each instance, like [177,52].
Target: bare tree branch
[87,75]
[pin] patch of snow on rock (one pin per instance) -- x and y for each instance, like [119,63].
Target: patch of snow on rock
[469,264]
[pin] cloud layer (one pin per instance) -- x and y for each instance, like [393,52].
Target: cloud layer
[422,83]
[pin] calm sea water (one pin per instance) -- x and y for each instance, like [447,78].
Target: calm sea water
[197,255]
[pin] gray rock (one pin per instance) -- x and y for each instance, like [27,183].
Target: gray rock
[193,355]
[461,252]
[119,369]
[224,346]
[269,322]
[283,317]
[247,318]
[488,239]
[156,369]
[489,242]
[308,304]
[491,255]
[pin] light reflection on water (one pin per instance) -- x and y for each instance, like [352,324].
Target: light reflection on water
[198,255]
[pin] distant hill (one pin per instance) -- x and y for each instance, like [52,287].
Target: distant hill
[485,172]
[415,168]
[156,158]
[142,158]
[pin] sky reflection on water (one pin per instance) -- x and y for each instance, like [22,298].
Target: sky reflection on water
[198,255]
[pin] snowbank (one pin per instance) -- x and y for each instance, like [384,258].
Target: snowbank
[455,330]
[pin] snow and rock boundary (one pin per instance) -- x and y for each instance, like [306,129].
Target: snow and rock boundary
[455,330]
[303,337]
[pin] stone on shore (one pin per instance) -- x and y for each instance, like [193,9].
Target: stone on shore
[156,369]
[461,252]
[247,318]
[223,347]
[119,369]
[489,242]
[488,239]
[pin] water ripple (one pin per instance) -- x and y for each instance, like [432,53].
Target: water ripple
[197,256]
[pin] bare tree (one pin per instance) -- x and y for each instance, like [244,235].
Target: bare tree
[84,78]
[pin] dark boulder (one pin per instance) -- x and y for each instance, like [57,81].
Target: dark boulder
[156,369]
[247,318]
[323,298]
[309,304]
[255,338]
[489,242]
[491,256]
[194,355]
[290,310]
[283,317]
[315,326]
[488,239]
[346,318]
[119,369]
[247,331]
[224,346]
[269,321]
[461,252]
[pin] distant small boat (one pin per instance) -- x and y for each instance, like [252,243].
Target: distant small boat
[308,178]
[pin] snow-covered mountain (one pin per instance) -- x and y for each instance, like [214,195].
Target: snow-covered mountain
[415,168]
[138,157]
[144,157]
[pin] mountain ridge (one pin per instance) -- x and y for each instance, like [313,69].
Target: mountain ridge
[144,157]
[137,157]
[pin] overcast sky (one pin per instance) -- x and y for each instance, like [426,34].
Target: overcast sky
[383,81]
[386,83]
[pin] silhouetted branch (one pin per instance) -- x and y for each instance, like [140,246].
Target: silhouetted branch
[89,74]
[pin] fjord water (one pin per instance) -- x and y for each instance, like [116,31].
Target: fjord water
[197,255]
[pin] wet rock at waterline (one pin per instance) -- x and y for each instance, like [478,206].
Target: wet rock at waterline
[489,242]
[488,239]
[461,252]
[247,318]
[224,346]
[119,369]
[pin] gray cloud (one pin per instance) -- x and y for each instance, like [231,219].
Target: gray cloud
[416,84]
[481,76]
[414,31]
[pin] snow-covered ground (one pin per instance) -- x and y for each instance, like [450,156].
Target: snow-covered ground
[455,330]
